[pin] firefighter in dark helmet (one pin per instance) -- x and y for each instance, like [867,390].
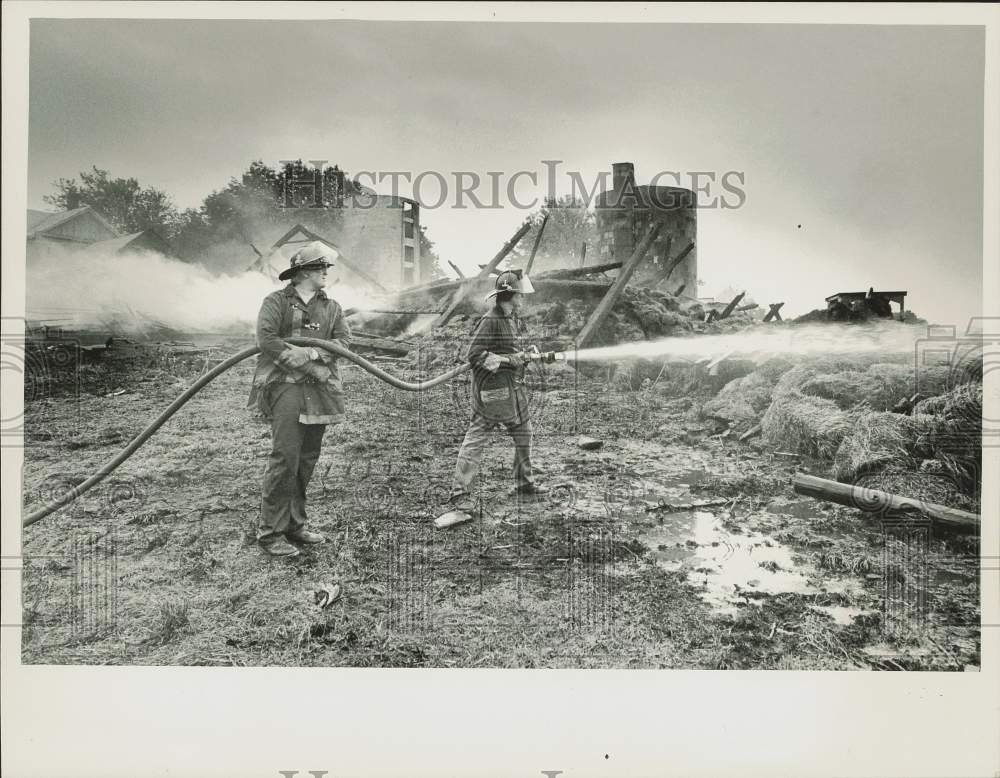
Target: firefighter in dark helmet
[498,392]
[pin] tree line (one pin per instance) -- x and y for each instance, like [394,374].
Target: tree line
[260,195]
[232,214]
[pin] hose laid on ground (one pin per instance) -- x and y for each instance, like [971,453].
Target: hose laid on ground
[211,375]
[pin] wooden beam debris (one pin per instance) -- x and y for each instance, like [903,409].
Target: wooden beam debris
[672,265]
[727,311]
[604,307]
[454,267]
[884,504]
[576,272]
[773,313]
[467,284]
[534,247]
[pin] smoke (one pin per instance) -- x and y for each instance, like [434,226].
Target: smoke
[760,343]
[86,289]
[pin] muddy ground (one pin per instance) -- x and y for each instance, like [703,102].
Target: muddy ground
[666,547]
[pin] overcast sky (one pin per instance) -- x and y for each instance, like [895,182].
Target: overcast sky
[861,147]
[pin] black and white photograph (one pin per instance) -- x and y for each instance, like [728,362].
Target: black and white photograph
[568,344]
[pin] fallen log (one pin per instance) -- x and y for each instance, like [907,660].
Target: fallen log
[883,503]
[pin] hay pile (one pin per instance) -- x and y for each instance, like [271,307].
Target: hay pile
[802,423]
[920,484]
[742,401]
[933,455]
[876,440]
[950,433]
[817,402]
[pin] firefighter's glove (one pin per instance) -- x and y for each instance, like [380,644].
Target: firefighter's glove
[491,362]
[317,372]
[295,357]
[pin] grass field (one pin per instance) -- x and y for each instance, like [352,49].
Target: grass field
[667,547]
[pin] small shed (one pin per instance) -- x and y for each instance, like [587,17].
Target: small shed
[878,302]
[77,226]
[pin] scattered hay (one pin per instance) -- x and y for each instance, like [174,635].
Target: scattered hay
[876,439]
[805,425]
[920,484]
[741,402]
[949,429]
[847,389]
[173,619]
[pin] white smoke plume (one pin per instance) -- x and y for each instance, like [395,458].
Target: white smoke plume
[82,289]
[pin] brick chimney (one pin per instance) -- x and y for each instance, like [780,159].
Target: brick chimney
[622,173]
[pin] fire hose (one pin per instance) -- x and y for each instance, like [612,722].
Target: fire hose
[334,348]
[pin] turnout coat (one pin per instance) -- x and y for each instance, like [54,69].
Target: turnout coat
[499,396]
[284,315]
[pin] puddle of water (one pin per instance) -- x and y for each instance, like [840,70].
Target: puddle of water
[842,614]
[800,509]
[724,565]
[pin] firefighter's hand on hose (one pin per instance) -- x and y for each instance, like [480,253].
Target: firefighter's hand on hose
[295,357]
[491,362]
[317,371]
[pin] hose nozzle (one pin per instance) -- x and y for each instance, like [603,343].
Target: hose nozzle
[545,357]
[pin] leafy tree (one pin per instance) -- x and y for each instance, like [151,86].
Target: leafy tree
[127,206]
[569,225]
[429,258]
[258,199]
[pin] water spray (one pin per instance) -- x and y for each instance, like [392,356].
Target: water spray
[760,343]
[805,341]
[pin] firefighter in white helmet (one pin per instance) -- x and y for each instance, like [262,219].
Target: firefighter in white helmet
[298,390]
[498,392]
